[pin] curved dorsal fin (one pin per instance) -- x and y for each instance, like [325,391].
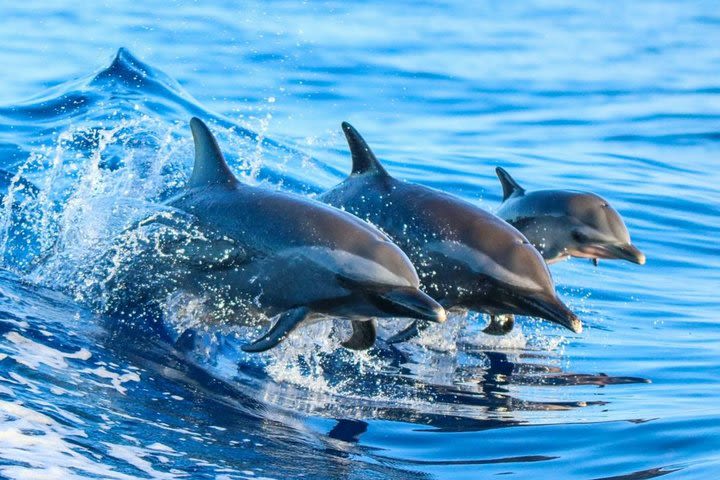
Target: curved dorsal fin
[363,159]
[210,167]
[509,185]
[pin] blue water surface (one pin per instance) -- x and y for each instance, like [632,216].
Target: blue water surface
[620,99]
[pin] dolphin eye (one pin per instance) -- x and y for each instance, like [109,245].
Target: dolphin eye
[579,236]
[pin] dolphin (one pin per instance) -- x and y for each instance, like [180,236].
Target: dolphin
[567,223]
[256,252]
[466,257]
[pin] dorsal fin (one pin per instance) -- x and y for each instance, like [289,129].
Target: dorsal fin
[509,185]
[210,167]
[363,159]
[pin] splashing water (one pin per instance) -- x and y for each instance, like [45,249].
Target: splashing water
[103,175]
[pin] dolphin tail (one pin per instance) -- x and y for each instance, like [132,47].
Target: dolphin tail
[408,333]
[285,324]
[509,185]
[363,336]
[363,159]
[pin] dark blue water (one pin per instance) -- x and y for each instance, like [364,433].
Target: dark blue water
[623,100]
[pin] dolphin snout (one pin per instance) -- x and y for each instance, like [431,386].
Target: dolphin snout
[622,251]
[628,252]
[410,302]
[553,309]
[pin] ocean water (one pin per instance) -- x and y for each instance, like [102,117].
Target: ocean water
[622,100]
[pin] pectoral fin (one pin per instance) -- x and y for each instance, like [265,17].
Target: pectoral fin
[408,333]
[500,324]
[363,336]
[186,341]
[285,324]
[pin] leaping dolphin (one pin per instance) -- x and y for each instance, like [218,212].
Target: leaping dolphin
[567,223]
[262,251]
[465,256]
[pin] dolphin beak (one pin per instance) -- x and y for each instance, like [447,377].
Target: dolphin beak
[627,252]
[551,308]
[410,302]
[623,251]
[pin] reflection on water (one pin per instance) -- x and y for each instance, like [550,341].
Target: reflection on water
[473,399]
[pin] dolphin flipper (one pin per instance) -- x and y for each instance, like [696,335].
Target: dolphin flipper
[408,333]
[186,340]
[285,324]
[500,324]
[509,185]
[363,336]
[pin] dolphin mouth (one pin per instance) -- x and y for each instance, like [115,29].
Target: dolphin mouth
[624,251]
[409,302]
[628,252]
[553,309]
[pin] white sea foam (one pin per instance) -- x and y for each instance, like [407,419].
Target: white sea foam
[136,456]
[33,354]
[116,379]
[38,447]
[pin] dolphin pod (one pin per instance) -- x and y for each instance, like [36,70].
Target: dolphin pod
[251,252]
[465,256]
[282,255]
[567,223]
